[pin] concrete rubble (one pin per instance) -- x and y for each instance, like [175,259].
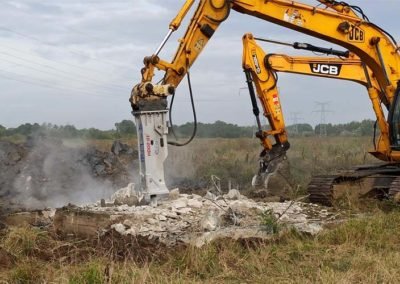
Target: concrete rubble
[192,219]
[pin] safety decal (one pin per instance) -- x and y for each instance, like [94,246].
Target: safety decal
[199,45]
[294,16]
[275,99]
[277,106]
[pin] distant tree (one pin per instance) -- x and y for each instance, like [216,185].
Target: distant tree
[300,128]
[354,128]
[2,130]
[367,127]
[93,133]
[332,130]
[67,131]
[218,129]
[305,127]
[24,129]
[125,128]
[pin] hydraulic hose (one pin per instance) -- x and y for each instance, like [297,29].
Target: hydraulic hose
[175,143]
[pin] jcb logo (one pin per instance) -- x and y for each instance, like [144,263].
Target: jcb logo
[356,34]
[326,69]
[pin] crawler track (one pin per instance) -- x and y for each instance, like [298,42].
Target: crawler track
[394,187]
[381,181]
[321,189]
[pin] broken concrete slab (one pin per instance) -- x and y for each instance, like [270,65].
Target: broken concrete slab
[233,194]
[37,218]
[192,219]
[127,196]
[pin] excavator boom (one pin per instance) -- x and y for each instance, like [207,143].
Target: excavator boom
[337,22]
[340,26]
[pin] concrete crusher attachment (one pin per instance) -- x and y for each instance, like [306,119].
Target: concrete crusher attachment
[152,133]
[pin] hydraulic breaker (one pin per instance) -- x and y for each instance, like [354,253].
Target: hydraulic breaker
[152,133]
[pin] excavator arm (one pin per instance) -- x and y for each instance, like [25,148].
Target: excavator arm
[337,22]
[369,42]
[261,68]
[352,69]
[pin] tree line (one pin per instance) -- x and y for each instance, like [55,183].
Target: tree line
[123,129]
[227,130]
[218,129]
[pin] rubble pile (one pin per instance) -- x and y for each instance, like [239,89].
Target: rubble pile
[44,169]
[10,156]
[192,219]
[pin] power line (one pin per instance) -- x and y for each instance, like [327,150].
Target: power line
[64,74]
[323,111]
[70,50]
[56,69]
[80,67]
[295,118]
[32,68]
[45,84]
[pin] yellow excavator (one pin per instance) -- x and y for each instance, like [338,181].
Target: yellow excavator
[261,71]
[336,22]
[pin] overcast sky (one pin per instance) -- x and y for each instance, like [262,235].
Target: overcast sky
[76,61]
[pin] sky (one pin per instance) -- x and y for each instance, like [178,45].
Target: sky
[75,62]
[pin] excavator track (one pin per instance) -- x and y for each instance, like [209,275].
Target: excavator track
[379,181]
[394,188]
[320,189]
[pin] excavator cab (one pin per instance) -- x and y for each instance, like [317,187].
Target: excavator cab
[394,121]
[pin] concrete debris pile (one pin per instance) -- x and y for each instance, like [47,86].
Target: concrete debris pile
[190,218]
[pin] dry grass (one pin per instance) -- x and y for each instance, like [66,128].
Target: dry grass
[362,250]
[358,251]
[237,159]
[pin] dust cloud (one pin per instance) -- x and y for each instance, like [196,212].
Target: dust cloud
[47,173]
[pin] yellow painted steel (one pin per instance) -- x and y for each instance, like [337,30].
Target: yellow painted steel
[263,66]
[332,21]
[351,32]
[351,69]
[345,29]
[176,22]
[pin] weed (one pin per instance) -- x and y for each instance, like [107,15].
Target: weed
[27,272]
[91,273]
[269,222]
[25,241]
[203,261]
